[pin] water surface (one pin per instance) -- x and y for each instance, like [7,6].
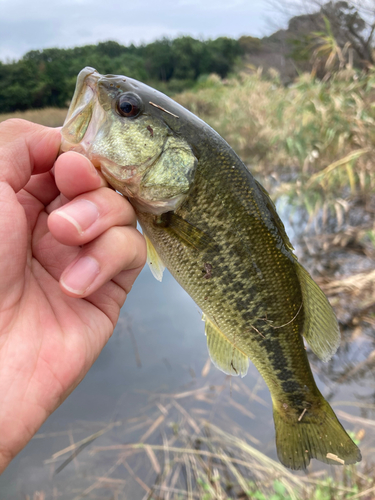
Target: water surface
[159,349]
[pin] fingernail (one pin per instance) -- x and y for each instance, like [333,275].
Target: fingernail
[81,275]
[82,214]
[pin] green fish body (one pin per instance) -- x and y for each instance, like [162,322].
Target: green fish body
[215,228]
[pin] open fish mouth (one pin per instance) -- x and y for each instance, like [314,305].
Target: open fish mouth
[81,108]
[80,96]
[87,120]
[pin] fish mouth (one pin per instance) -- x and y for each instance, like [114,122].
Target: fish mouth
[86,94]
[85,119]
[81,108]
[86,79]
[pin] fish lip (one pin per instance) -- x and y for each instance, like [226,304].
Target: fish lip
[133,168]
[82,115]
[110,173]
[81,82]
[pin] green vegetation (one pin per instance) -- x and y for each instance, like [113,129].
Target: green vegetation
[316,138]
[44,78]
[318,41]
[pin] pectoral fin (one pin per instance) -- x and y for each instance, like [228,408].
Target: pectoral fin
[321,330]
[224,355]
[190,234]
[154,261]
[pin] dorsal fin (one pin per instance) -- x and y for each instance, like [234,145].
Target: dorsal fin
[321,329]
[275,216]
[154,261]
[225,355]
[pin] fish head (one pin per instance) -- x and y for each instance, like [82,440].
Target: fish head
[132,133]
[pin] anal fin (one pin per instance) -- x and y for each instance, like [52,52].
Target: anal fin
[154,261]
[225,355]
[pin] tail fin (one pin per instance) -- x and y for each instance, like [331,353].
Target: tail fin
[313,434]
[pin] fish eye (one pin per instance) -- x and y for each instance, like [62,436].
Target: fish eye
[129,105]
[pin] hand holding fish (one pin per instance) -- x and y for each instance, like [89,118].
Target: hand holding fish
[69,254]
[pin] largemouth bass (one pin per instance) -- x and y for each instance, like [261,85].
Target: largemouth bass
[216,229]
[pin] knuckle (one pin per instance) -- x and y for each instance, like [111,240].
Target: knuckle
[114,203]
[16,125]
[135,245]
[141,249]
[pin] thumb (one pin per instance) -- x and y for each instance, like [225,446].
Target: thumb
[25,148]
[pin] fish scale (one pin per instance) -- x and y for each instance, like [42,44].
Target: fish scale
[215,228]
[250,298]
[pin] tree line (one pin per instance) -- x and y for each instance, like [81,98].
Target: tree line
[322,41]
[43,78]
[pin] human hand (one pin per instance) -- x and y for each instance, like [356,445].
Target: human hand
[69,254]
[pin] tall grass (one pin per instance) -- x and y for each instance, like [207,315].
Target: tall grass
[316,136]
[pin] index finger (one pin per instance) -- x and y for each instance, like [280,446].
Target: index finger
[25,149]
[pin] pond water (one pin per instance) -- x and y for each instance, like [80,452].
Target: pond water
[156,362]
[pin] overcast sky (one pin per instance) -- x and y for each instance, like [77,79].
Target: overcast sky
[38,24]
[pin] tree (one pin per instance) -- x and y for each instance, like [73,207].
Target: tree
[349,25]
[47,77]
[351,22]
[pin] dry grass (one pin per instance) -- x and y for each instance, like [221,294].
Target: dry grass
[314,140]
[50,117]
[182,454]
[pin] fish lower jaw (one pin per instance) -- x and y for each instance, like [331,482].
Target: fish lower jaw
[130,187]
[157,207]
[69,146]
[124,183]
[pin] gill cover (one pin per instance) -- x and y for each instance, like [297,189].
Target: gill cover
[112,121]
